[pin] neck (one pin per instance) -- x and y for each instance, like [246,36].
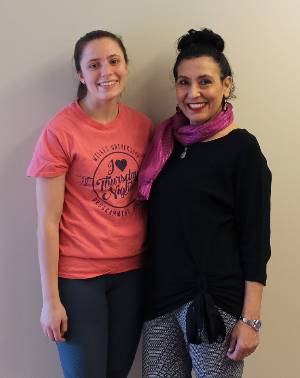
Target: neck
[102,112]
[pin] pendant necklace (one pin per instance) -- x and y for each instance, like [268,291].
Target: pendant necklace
[183,154]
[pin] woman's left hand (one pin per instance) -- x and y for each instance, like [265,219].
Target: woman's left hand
[243,341]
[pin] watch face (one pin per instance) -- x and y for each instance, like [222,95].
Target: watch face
[257,324]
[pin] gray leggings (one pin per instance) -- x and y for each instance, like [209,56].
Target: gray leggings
[167,354]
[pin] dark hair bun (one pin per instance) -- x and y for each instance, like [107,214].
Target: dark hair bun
[205,37]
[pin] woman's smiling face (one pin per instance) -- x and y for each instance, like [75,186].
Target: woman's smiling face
[103,69]
[200,88]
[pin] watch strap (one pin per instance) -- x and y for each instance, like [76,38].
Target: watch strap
[254,323]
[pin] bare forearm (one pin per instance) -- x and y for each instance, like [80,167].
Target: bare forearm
[252,300]
[50,199]
[244,339]
[48,248]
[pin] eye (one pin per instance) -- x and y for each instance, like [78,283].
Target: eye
[115,61]
[182,82]
[205,81]
[93,66]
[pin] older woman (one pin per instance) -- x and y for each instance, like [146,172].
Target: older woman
[208,186]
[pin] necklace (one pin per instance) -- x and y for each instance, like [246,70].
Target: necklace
[183,154]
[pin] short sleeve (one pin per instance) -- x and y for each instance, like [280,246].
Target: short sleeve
[50,157]
[253,192]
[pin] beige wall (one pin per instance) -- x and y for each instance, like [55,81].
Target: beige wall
[37,38]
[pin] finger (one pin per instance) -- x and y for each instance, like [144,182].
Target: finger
[238,354]
[57,335]
[246,350]
[242,353]
[64,326]
[232,344]
[49,334]
[233,355]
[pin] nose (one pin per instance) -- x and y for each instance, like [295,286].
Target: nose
[105,69]
[194,90]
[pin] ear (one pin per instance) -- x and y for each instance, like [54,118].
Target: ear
[80,77]
[227,86]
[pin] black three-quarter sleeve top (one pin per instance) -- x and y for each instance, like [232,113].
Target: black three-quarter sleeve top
[209,224]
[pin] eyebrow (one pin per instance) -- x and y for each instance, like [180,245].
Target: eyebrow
[109,57]
[198,77]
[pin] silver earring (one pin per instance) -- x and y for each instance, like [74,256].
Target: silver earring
[224,104]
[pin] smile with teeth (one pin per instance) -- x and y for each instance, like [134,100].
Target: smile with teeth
[196,106]
[108,83]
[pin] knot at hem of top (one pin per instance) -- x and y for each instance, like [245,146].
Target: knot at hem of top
[204,321]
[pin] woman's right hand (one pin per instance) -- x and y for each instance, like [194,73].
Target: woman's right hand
[54,321]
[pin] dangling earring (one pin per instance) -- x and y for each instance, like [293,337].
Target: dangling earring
[224,104]
[178,110]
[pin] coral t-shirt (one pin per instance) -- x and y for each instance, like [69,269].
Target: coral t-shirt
[102,227]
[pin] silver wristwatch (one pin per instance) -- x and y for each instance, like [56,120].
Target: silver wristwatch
[255,324]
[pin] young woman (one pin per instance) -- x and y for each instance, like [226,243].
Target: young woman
[90,227]
[208,186]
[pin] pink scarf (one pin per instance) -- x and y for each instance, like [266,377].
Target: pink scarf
[162,145]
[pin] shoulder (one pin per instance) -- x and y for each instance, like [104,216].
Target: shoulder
[136,115]
[245,142]
[63,120]
[65,116]
[244,137]
[62,129]
[249,151]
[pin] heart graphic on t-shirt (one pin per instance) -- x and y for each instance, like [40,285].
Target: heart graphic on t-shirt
[121,164]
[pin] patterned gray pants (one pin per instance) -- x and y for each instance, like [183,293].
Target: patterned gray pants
[167,354]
